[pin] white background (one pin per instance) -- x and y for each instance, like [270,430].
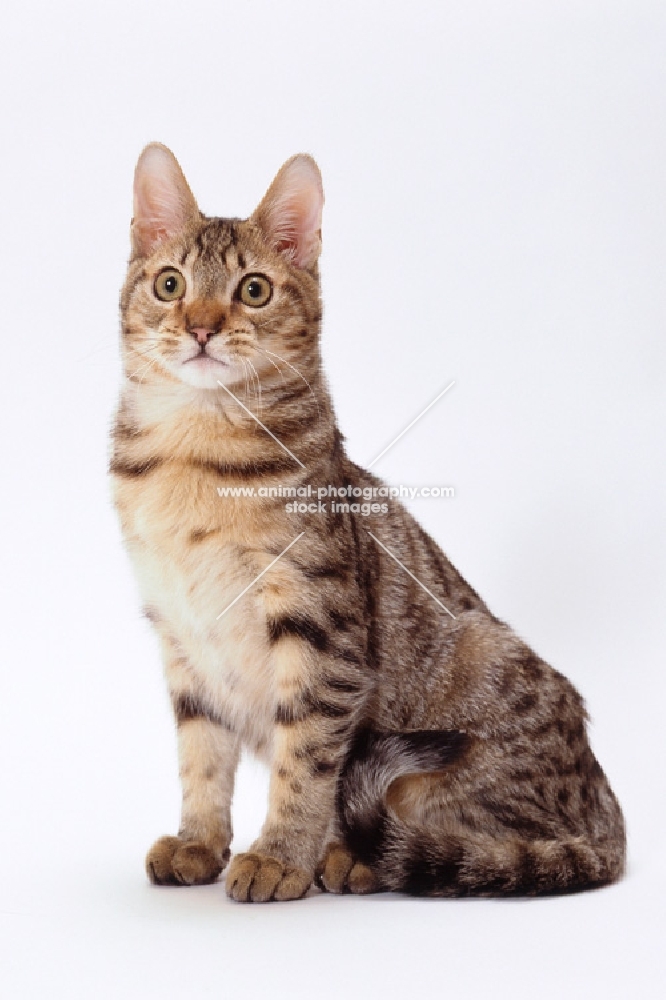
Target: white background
[495,181]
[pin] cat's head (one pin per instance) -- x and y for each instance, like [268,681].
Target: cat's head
[206,299]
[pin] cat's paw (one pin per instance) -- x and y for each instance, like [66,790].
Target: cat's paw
[173,861]
[338,871]
[256,878]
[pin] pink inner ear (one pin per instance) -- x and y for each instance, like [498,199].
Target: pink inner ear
[163,202]
[291,213]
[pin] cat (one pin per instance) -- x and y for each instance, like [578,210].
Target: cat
[415,743]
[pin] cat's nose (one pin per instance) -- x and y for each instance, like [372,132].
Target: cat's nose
[203,320]
[202,334]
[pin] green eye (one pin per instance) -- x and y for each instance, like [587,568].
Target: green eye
[255,290]
[169,285]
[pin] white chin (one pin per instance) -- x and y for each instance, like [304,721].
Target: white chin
[205,373]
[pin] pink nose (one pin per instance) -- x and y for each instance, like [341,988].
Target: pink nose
[201,334]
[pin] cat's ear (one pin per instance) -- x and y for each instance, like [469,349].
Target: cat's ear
[163,202]
[290,214]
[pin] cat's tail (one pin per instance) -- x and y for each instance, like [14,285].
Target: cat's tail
[425,861]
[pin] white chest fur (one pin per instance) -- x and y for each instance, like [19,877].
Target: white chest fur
[227,652]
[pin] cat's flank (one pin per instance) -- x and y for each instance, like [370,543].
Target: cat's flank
[410,748]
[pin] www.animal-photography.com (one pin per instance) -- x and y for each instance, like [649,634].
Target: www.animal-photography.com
[334,539]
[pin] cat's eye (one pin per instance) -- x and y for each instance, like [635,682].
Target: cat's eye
[255,290]
[169,285]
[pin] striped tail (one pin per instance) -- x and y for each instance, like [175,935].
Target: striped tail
[423,861]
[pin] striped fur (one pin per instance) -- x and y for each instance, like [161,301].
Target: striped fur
[452,858]
[408,749]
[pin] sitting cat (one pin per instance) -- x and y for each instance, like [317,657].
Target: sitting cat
[415,743]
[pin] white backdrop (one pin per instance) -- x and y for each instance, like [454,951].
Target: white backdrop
[495,214]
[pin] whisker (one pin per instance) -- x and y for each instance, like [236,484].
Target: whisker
[259,398]
[298,373]
[142,368]
[278,370]
[250,384]
[246,386]
[131,377]
[146,353]
[149,364]
[96,350]
[150,368]
[110,343]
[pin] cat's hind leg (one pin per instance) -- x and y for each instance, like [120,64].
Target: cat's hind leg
[412,798]
[426,831]
[352,863]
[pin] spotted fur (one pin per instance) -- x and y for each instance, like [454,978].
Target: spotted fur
[409,748]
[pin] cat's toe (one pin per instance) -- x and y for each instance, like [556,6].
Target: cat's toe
[362,879]
[334,868]
[173,861]
[158,861]
[339,872]
[257,878]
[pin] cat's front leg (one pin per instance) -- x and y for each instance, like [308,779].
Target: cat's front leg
[320,696]
[208,755]
[280,864]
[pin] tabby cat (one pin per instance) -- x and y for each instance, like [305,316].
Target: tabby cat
[415,743]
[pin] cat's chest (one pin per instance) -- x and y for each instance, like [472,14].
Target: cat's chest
[202,584]
[202,564]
